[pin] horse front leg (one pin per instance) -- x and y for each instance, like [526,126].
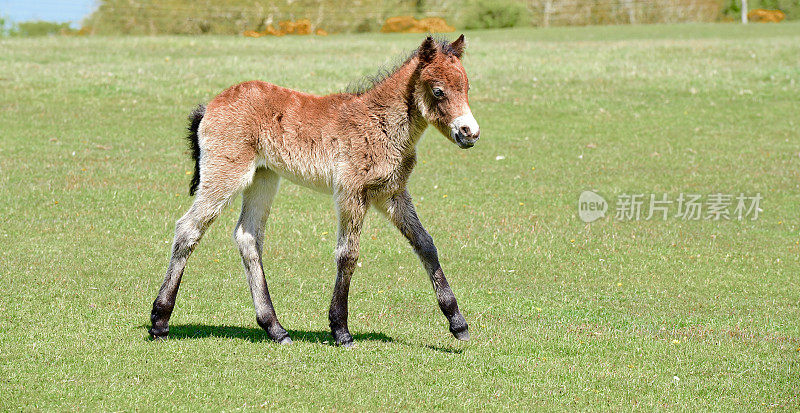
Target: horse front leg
[351,218]
[401,212]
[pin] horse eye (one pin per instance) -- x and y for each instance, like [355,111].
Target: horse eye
[439,93]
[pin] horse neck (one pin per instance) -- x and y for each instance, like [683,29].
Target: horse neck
[392,102]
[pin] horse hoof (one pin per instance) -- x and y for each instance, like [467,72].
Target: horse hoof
[284,341]
[348,344]
[158,335]
[462,335]
[342,337]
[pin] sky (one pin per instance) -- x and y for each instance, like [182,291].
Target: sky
[51,10]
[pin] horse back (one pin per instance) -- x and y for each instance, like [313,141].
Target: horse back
[298,135]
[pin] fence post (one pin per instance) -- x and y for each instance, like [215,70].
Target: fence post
[744,11]
[631,11]
[548,9]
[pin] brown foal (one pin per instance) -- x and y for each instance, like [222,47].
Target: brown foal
[359,147]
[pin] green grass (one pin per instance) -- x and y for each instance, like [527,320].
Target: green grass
[648,315]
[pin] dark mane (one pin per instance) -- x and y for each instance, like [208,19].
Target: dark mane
[367,83]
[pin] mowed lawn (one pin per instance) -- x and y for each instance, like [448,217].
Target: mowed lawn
[651,315]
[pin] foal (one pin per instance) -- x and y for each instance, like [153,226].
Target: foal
[359,147]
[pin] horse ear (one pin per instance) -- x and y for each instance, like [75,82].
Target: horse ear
[427,51]
[458,46]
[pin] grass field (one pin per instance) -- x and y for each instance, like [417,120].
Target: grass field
[650,315]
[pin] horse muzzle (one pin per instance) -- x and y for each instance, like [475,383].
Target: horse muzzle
[464,130]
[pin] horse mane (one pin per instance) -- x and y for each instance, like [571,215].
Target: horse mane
[367,83]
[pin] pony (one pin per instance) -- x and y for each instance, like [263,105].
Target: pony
[358,146]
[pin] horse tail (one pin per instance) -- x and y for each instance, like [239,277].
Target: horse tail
[194,144]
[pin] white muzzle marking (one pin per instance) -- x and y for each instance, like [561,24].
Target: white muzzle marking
[464,120]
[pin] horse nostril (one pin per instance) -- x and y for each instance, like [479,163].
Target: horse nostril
[464,130]
[477,135]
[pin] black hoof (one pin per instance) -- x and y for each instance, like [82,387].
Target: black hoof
[275,331]
[279,335]
[343,338]
[158,334]
[461,334]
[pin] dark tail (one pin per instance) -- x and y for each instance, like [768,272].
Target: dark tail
[194,123]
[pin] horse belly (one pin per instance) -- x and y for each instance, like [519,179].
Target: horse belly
[316,181]
[299,163]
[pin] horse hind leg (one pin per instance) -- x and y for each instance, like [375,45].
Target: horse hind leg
[249,236]
[214,193]
[188,231]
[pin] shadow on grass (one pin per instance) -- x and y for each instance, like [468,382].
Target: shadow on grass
[444,349]
[255,335]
